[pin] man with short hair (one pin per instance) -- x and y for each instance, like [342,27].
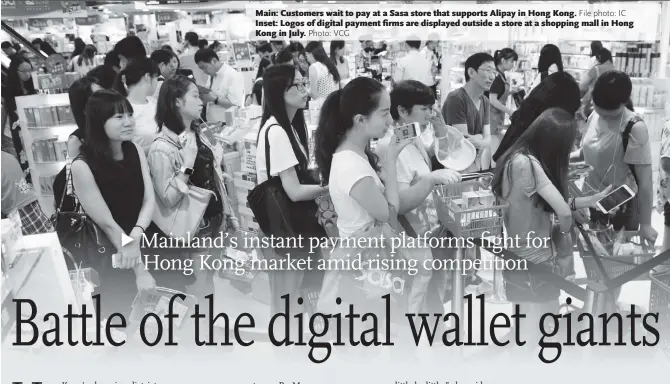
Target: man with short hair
[187,59]
[467,108]
[414,66]
[226,85]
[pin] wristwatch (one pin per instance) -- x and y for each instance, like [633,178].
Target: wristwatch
[186,171]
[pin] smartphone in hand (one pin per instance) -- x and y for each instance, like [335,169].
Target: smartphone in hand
[615,199]
[407,132]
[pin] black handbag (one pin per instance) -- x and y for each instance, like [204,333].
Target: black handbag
[276,213]
[79,236]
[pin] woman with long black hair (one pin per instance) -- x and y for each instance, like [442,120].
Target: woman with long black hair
[550,61]
[19,83]
[85,62]
[532,176]
[558,90]
[283,123]
[337,51]
[324,77]
[79,46]
[112,182]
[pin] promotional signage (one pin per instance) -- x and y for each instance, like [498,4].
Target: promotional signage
[199,18]
[88,20]
[43,23]
[16,8]
[166,17]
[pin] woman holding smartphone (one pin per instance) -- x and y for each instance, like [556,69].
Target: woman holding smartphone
[532,176]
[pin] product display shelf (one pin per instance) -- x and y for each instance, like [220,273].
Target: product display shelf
[640,59]
[38,272]
[46,123]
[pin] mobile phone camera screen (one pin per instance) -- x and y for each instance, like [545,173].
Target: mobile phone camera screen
[614,199]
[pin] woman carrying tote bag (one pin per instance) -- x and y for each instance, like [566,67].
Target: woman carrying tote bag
[283,127]
[191,199]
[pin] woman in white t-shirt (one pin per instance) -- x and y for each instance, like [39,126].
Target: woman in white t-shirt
[138,82]
[285,96]
[413,102]
[85,61]
[350,118]
[324,78]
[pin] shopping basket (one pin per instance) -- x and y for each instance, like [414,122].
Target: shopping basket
[613,266]
[659,301]
[472,221]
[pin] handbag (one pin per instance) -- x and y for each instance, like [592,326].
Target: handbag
[274,210]
[364,287]
[524,286]
[80,238]
[183,220]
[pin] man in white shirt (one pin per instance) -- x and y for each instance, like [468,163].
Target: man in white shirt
[187,59]
[227,85]
[414,66]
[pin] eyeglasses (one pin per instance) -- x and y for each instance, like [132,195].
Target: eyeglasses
[301,86]
[487,71]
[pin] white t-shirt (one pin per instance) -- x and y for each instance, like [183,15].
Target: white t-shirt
[229,83]
[146,128]
[413,162]
[281,152]
[347,169]
[414,66]
[84,68]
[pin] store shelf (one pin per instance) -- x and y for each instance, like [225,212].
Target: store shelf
[44,167]
[39,273]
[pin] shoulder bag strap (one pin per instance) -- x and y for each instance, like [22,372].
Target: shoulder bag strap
[267,150]
[625,138]
[404,223]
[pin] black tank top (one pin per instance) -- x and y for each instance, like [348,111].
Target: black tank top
[122,187]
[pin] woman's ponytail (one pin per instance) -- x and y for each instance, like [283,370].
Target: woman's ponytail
[359,97]
[329,134]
